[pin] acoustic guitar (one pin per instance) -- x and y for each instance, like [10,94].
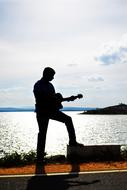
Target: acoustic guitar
[60,99]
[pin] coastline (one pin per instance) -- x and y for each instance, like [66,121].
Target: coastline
[60,167]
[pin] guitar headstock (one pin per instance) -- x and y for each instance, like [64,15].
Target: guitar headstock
[79,96]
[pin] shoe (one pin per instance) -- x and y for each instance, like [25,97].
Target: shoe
[79,144]
[76,144]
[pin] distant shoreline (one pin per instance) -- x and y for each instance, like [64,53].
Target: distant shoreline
[19,109]
[120,109]
[116,109]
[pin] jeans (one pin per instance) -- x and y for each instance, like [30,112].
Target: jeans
[43,120]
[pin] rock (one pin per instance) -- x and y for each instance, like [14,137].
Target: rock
[94,152]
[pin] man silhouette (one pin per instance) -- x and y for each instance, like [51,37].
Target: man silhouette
[48,105]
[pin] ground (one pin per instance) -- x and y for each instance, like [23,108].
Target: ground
[62,167]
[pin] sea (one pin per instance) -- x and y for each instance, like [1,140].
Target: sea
[19,130]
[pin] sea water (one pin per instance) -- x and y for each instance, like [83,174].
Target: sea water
[19,130]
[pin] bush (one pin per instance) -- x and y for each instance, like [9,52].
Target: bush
[16,159]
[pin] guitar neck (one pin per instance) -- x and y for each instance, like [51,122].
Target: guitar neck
[65,99]
[68,99]
[72,98]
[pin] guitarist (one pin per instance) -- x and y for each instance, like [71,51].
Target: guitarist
[48,105]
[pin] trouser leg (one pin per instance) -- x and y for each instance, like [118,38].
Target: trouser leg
[60,116]
[43,125]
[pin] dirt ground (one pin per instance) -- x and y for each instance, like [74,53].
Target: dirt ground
[61,168]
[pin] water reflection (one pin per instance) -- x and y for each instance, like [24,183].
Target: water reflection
[18,131]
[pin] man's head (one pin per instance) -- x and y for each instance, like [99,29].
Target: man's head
[48,73]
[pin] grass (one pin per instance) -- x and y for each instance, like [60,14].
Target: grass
[22,159]
[16,159]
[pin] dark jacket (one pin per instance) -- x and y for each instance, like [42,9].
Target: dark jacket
[45,97]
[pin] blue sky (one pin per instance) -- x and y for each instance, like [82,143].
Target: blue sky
[85,41]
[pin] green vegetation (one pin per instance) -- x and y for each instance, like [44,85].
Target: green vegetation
[15,159]
[124,152]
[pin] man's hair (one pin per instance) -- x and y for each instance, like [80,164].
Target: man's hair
[48,70]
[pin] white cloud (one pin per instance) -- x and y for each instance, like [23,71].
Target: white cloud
[16,96]
[96,78]
[114,52]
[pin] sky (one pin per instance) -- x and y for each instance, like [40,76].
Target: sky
[85,41]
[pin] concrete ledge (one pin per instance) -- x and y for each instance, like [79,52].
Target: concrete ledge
[94,152]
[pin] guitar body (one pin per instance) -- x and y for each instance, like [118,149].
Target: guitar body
[59,99]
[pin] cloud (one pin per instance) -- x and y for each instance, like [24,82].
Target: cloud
[114,52]
[96,78]
[16,95]
[72,65]
[63,35]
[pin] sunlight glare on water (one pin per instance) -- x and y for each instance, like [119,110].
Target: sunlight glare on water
[19,131]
